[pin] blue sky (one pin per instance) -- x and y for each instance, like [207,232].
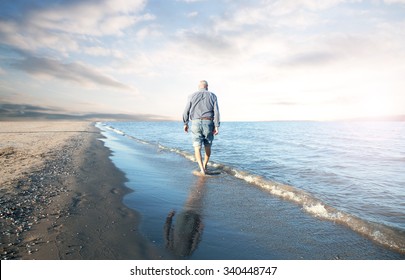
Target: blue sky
[265,60]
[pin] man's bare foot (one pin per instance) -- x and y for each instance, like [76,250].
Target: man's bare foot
[199,173]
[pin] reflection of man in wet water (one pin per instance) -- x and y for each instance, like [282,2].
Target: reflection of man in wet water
[202,110]
[183,238]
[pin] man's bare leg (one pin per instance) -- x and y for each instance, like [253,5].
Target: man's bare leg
[207,155]
[197,153]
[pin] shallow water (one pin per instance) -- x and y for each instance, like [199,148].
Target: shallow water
[233,215]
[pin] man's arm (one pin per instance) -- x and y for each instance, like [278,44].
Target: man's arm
[217,121]
[186,115]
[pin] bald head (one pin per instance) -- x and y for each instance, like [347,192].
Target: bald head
[203,85]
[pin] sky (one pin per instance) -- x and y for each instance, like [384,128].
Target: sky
[265,60]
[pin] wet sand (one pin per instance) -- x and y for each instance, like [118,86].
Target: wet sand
[61,196]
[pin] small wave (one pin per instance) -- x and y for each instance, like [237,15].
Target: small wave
[391,238]
[384,235]
[114,129]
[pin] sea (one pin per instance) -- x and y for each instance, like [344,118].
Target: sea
[285,190]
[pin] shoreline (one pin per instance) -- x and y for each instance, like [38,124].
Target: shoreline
[61,196]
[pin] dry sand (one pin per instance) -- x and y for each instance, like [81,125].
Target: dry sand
[61,196]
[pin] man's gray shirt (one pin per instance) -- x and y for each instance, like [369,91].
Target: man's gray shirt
[202,104]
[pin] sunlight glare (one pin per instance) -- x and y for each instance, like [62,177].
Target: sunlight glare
[374,106]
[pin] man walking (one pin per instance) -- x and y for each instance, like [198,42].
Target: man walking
[202,110]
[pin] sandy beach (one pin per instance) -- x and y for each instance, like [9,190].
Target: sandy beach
[61,196]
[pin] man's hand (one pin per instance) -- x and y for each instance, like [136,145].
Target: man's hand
[186,128]
[216,130]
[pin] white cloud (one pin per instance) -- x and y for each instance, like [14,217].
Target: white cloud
[282,7]
[27,38]
[148,32]
[76,72]
[69,29]
[65,26]
[394,1]
[137,65]
[102,52]
[95,18]
[192,14]
[249,50]
[190,1]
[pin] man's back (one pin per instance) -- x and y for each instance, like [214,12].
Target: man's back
[202,104]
